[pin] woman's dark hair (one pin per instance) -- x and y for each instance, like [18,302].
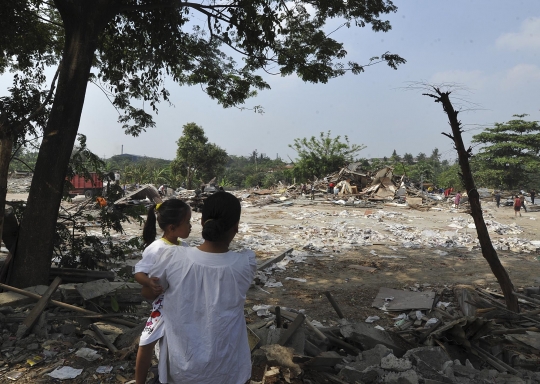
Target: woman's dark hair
[220,212]
[171,211]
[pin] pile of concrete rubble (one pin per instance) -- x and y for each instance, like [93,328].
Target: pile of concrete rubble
[428,340]
[326,231]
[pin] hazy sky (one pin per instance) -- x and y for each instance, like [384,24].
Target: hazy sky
[491,47]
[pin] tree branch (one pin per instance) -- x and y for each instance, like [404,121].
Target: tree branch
[21,126]
[29,167]
[175,4]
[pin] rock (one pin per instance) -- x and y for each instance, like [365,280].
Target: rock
[32,347]
[488,374]
[370,357]
[431,362]
[368,376]
[505,378]
[79,344]
[407,377]
[433,357]
[368,336]
[465,371]
[392,363]
[68,329]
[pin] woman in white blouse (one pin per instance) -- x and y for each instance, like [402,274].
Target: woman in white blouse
[205,287]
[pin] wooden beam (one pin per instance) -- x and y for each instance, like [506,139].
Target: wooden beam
[42,303]
[64,305]
[292,329]
[280,257]
[103,339]
[334,304]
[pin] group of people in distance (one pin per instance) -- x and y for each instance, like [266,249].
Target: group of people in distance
[198,293]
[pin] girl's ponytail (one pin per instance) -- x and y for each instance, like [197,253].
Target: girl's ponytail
[149,229]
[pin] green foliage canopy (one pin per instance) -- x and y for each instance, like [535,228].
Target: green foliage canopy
[319,156]
[510,153]
[196,158]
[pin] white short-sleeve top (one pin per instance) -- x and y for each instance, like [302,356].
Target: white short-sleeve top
[205,339]
[151,253]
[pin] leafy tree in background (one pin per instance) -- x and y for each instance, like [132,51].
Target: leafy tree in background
[319,156]
[450,177]
[408,159]
[510,153]
[196,158]
[186,41]
[395,158]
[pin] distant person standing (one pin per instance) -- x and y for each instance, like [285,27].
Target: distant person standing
[498,198]
[522,199]
[312,191]
[517,206]
[457,199]
[533,194]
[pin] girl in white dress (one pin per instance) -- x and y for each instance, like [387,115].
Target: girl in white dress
[173,217]
[205,339]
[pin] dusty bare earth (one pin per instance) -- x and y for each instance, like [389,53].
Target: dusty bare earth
[411,249]
[354,290]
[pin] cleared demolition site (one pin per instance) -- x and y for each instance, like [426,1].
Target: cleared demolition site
[380,283]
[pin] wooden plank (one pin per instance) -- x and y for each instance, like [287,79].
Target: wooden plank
[42,303]
[64,305]
[292,329]
[73,275]
[334,304]
[527,298]
[103,339]
[403,300]
[532,339]
[280,257]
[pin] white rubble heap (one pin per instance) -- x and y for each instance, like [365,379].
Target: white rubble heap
[330,232]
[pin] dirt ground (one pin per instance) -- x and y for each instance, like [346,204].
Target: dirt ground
[354,290]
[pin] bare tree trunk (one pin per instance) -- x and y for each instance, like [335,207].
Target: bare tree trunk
[6,148]
[488,251]
[83,21]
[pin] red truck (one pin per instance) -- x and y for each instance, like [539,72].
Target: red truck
[87,187]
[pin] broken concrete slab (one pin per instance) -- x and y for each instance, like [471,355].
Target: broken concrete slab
[433,357]
[371,357]
[396,300]
[392,363]
[430,361]
[369,336]
[122,291]
[407,377]
[94,289]
[369,375]
[532,339]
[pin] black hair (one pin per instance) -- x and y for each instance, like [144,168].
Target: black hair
[171,211]
[221,211]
